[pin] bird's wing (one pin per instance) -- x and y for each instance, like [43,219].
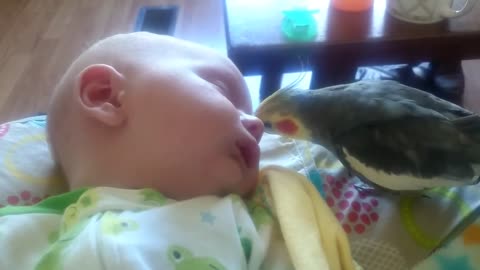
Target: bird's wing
[345,111]
[422,147]
[469,125]
[395,91]
[352,105]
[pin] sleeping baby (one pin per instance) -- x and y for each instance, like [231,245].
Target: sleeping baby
[160,151]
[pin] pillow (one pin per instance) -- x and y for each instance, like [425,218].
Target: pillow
[27,171]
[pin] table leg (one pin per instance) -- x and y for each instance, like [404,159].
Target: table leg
[327,75]
[271,82]
[448,80]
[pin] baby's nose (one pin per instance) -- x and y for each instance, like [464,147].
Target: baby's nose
[253,124]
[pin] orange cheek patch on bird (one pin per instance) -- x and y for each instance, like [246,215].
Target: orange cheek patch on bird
[287,126]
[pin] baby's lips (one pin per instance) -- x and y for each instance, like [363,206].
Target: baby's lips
[250,152]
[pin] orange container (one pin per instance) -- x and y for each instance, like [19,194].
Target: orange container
[352,5]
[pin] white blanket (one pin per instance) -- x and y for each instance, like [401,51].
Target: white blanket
[106,228]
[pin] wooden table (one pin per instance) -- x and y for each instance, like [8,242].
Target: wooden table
[344,41]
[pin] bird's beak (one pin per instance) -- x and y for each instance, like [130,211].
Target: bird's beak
[261,108]
[260,111]
[262,115]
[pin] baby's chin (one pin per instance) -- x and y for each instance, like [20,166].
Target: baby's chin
[243,183]
[249,183]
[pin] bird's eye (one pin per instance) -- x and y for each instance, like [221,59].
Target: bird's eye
[267,125]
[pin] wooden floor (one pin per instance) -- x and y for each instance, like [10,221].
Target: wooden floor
[39,39]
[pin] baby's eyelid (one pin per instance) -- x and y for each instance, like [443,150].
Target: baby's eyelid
[222,87]
[225,90]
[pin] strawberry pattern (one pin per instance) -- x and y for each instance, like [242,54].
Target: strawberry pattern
[25,197]
[355,210]
[4,129]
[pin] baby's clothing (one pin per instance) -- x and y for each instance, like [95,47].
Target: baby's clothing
[110,228]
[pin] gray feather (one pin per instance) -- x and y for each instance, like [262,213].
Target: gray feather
[395,128]
[403,147]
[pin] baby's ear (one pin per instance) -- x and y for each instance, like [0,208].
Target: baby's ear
[100,90]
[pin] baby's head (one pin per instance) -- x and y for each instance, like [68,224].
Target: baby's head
[141,110]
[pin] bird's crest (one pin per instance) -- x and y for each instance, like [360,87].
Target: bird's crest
[279,100]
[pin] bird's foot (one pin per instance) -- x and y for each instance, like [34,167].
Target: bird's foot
[426,196]
[365,189]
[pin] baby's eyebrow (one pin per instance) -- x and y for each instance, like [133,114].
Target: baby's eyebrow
[226,90]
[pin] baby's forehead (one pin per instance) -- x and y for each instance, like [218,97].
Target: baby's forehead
[147,45]
[175,52]
[150,51]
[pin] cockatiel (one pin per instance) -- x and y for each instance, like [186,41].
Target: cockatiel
[388,134]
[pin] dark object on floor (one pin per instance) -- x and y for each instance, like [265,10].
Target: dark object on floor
[158,20]
[442,81]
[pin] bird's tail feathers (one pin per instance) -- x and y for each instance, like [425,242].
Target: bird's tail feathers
[470,126]
[476,180]
[472,153]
